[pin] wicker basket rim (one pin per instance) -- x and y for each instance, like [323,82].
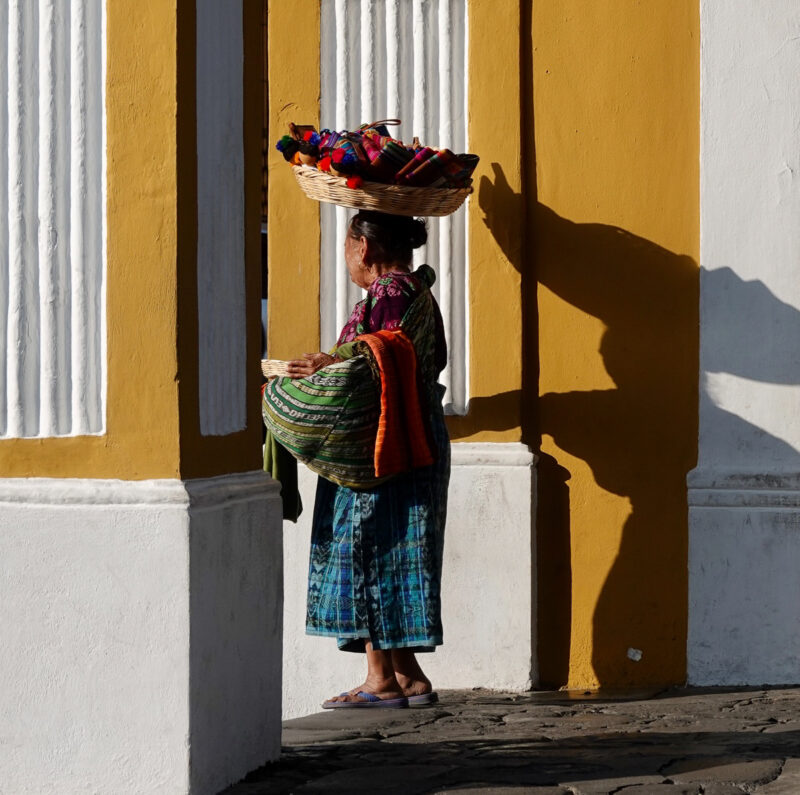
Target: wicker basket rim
[380,196]
[371,185]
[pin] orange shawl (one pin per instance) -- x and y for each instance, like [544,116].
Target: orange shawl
[402,441]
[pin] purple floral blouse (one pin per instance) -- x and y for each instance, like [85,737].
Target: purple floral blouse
[388,299]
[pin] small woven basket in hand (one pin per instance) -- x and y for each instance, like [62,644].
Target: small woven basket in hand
[392,199]
[274,367]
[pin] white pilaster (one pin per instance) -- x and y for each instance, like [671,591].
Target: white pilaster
[52,218]
[395,59]
[141,630]
[744,579]
[488,595]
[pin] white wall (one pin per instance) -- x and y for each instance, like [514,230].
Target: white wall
[743,495]
[52,218]
[488,607]
[141,632]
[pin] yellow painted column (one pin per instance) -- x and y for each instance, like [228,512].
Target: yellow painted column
[207,455]
[152,424]
[293,235]
[614,208]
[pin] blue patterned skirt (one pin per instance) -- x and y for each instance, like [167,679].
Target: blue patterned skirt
[376,558]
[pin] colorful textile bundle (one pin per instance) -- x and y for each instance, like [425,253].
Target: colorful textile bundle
[360,421]
[370,153]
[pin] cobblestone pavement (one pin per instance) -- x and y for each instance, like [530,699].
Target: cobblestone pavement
[712,741]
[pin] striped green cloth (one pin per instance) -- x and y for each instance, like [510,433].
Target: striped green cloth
[329,421]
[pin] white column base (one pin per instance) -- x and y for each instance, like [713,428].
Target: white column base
[141,626]
[744,578]
[488,599]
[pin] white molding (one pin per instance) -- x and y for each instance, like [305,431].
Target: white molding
[727,488]
[729,478]
[199,493]
[749,499]
[491,454]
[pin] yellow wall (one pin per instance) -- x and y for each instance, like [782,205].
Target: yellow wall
[614,208]
[496,227]
[152,417]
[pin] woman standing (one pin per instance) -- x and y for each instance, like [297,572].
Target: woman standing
[376,553]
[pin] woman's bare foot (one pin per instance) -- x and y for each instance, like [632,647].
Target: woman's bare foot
[384,689]
[408,673]
[380,681]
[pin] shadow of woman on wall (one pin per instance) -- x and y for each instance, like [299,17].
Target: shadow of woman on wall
[640,439]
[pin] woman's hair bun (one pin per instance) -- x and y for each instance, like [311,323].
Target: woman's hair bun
[417,232]
[393,237]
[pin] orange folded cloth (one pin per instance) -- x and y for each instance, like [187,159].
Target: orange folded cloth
[402,442]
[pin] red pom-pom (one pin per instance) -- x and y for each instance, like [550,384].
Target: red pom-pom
[307,135]
[354,182]
[324,164]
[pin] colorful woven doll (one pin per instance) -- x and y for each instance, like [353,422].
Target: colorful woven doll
[309,148]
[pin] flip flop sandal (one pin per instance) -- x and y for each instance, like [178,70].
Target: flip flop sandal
[423,700]
[370,700]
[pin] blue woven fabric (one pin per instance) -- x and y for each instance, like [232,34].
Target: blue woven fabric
[376,558]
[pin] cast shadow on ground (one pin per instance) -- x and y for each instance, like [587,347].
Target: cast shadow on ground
[525,759]
[639,438]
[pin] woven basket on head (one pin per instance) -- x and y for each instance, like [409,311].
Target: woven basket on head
[392,199]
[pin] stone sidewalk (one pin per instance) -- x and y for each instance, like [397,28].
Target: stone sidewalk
[712,741]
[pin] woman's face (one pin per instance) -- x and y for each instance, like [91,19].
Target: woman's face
[354,252]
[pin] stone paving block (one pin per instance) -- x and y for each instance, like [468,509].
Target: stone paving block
[787,782]
[363,717]
[726,769]
[606,695]
[354,723]
[705,725]
[472,789]
[719,742]
[384,779]
[716,788]
[780,728]
[662,789]
[603,786]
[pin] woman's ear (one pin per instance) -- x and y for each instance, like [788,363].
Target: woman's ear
[363,248]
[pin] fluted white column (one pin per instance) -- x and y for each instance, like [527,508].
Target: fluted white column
[52,216]
[4,184]
[404,59]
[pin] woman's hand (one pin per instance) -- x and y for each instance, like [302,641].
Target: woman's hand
[309,364]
